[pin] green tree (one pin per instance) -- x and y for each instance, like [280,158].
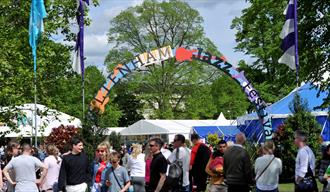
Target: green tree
[200,105]
[228,97]
[166,87]
[130,106]
[258,35]
[53,64]
[213,139]
[301,119]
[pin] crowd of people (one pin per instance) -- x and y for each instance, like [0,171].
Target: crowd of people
[153,167]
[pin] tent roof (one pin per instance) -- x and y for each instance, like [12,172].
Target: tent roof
[49,119]
[154,127]
[226,131]
[281,109]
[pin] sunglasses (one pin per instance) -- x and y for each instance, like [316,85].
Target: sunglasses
[100,151]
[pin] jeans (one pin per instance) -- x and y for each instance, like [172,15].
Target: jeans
[185,188]
[138,184]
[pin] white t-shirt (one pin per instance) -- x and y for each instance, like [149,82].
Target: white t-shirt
[304,157]
[184,156]
[53,171]
[165,152]
[137,166]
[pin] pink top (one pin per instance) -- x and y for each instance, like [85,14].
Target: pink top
[148,163]
[52,172]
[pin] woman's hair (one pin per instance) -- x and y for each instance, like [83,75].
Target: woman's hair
[147,152]
[269,147]
[10,147]
[51,149]
[136,150]
[106,146]
[116,154]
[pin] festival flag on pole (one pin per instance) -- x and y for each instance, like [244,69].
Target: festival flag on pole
[36,27]
[289,36]
[80,40]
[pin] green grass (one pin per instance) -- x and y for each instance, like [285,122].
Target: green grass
[289,187]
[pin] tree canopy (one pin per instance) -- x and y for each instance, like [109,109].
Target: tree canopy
[258,35]
[170,89]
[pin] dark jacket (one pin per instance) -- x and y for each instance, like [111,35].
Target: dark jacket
[237,166]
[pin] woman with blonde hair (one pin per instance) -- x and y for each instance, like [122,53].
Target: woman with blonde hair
[100,166]
[136,167]
[53,162]
[267,169]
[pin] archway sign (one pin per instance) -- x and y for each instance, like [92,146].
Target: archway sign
[183,54]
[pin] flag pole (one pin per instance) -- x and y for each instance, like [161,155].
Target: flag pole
[80,45]
[37,13]
[35,105]
[296,40]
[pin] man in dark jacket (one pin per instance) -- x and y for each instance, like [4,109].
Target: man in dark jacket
[237,166]
[200,155]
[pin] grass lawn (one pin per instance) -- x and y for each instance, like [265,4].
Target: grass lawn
[289,187]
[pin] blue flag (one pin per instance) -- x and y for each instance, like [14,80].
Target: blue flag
[36,27]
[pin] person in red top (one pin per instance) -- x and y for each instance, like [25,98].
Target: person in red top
[200,155]
[148,159]
[101,165]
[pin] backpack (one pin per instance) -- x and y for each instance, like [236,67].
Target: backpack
[176,168]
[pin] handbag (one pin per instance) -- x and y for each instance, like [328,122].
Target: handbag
[307,183]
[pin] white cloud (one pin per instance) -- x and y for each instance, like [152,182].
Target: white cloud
[96,48]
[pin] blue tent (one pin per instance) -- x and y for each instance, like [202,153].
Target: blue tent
[227,132]
[279,111]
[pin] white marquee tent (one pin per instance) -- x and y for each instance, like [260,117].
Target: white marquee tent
[169,128]
[47,119]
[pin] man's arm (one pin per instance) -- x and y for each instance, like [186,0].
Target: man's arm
[6,174]
[161,182]
[125,188]
[126,179]
[62,176]
[43,170]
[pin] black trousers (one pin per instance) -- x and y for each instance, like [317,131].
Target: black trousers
[238,188]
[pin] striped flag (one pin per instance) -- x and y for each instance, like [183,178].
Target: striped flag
[36,27]
[289,36]
[79,59]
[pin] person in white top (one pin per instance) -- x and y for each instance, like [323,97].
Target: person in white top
[136,166]
[305,160]
[53,162]
[267,169]
[184,156]
[165,152]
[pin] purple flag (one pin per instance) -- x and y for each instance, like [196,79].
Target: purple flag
[289,36]
[80,40]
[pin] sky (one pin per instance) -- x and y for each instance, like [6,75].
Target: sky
[217,15]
